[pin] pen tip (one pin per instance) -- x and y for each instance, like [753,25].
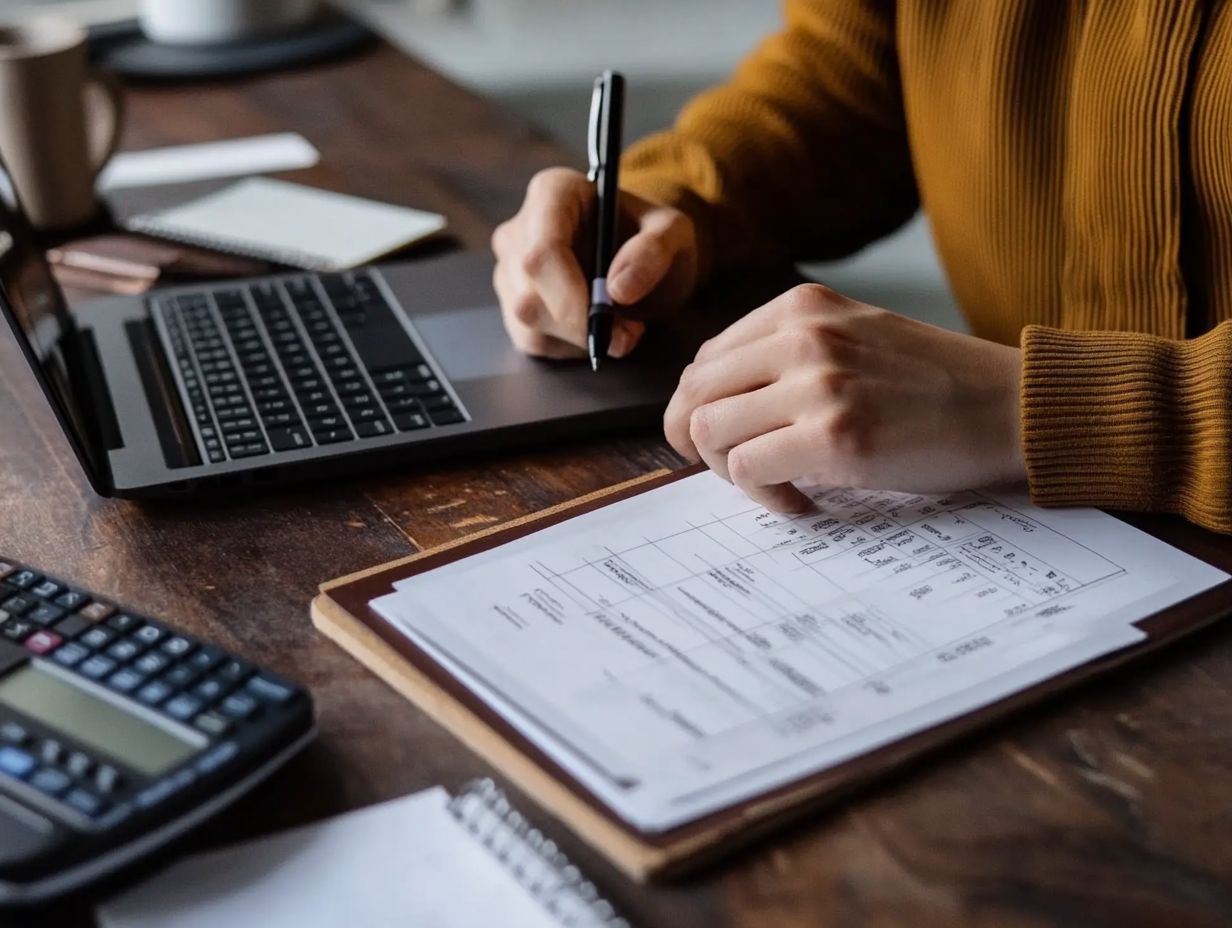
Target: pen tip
[594,363]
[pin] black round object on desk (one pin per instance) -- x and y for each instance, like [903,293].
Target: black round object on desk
[123,49]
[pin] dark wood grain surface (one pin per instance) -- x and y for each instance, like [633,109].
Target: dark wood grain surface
[1111,805]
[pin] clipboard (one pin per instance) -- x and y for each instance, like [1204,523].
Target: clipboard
[341,613]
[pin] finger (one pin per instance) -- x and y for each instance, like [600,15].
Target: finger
[626,333]
[705,381]
[718,427]
[554,272]
[763,467]
[774,317]
[641,264]
[521,312]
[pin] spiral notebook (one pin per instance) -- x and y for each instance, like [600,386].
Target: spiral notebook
[287,223]
[424,860]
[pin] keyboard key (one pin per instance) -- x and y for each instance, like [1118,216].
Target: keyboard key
[154,693]
[212,724]
[46,614]
[177,646]
[124,650]
[14,733]
[51,751]
[15,763]
[409,421]
[123,622]
[183,707]
[446,416]
[17,629]
[78,764]
[332,436]
[211,689]
[149,634]
[289,439]
[239,706]
[97,667]
[19,605]
[205,658]
[23,579]
[47,589]
[252,449]
[70,654]
[151,663]
[126,680]
[107,779]
[72,626]
[84,802]
[181,675]
[97,636]
[269,689]
[43,642]
[51,781]
[234,670]
[96,611]
[372,429]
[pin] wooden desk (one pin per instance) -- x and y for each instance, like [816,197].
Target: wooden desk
[1111,806]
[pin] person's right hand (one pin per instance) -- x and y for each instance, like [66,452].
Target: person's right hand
[541,252]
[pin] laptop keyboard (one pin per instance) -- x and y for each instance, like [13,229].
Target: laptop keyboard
[300,362]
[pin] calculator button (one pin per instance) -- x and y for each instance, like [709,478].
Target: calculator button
[180,675]
[47,589]
[17,629]
[51,781]
[270,690]
[19,605]
[51,751]
[97,667]
[234,670]
[121,621]
[124,650]
[96,637]
[148,634]
[14,733]
[84,802]
[177,646]
[71,654]
[212,724]
[153,693]
[72,600]
[183,707]
[78,764]
[205,658]
[46,614]
[71,627]
[126,680]
[157,792]
[107,779]
[23,579]
[151,663]
[14,762]
[42,642]
[239,705]
[96,612]
[211,689]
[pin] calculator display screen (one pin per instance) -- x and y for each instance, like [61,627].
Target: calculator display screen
[94,722]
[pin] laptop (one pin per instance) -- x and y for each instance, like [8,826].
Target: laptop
[208,388]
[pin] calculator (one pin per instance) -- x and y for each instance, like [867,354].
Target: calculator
[118,734]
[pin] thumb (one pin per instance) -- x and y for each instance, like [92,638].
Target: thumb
[640,266]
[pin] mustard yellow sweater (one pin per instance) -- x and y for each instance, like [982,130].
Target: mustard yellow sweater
[1075,160]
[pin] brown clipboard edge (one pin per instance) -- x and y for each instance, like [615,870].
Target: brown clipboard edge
[341,613]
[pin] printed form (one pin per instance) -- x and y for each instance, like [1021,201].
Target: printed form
[685,649]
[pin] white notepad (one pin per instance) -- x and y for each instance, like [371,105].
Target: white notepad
[423,861]
[291,224]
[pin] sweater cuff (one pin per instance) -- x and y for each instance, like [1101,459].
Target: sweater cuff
[1128,421]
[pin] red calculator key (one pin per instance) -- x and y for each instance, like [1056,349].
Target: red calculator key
[43,641]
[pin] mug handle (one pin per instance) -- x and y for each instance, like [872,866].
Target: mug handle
[104,105]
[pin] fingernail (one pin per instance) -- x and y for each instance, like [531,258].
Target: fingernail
[616,286]
[624,338]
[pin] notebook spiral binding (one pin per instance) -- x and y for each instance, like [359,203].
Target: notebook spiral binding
[533,859]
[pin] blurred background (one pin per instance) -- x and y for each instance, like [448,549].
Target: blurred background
[539,57]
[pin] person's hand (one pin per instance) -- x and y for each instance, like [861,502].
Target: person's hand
[817,388]
[541,252]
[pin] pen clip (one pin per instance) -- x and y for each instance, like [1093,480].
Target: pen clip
[592,132]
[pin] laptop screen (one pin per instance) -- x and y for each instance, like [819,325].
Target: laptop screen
[35,308]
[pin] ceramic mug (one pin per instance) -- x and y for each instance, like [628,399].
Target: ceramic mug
[59,122]
[209,22]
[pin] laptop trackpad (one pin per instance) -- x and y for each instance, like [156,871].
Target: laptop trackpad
[470,343]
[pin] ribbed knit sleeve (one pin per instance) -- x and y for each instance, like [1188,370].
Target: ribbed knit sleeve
[802,154]
[1129,421]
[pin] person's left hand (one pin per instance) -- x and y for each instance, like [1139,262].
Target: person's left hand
[817,388]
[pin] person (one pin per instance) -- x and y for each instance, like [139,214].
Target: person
[1075,162]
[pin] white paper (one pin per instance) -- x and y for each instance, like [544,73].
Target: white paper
[398,864]
[292,224]
[258,154]
[685,649]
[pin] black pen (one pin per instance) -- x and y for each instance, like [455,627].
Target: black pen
[606,120]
